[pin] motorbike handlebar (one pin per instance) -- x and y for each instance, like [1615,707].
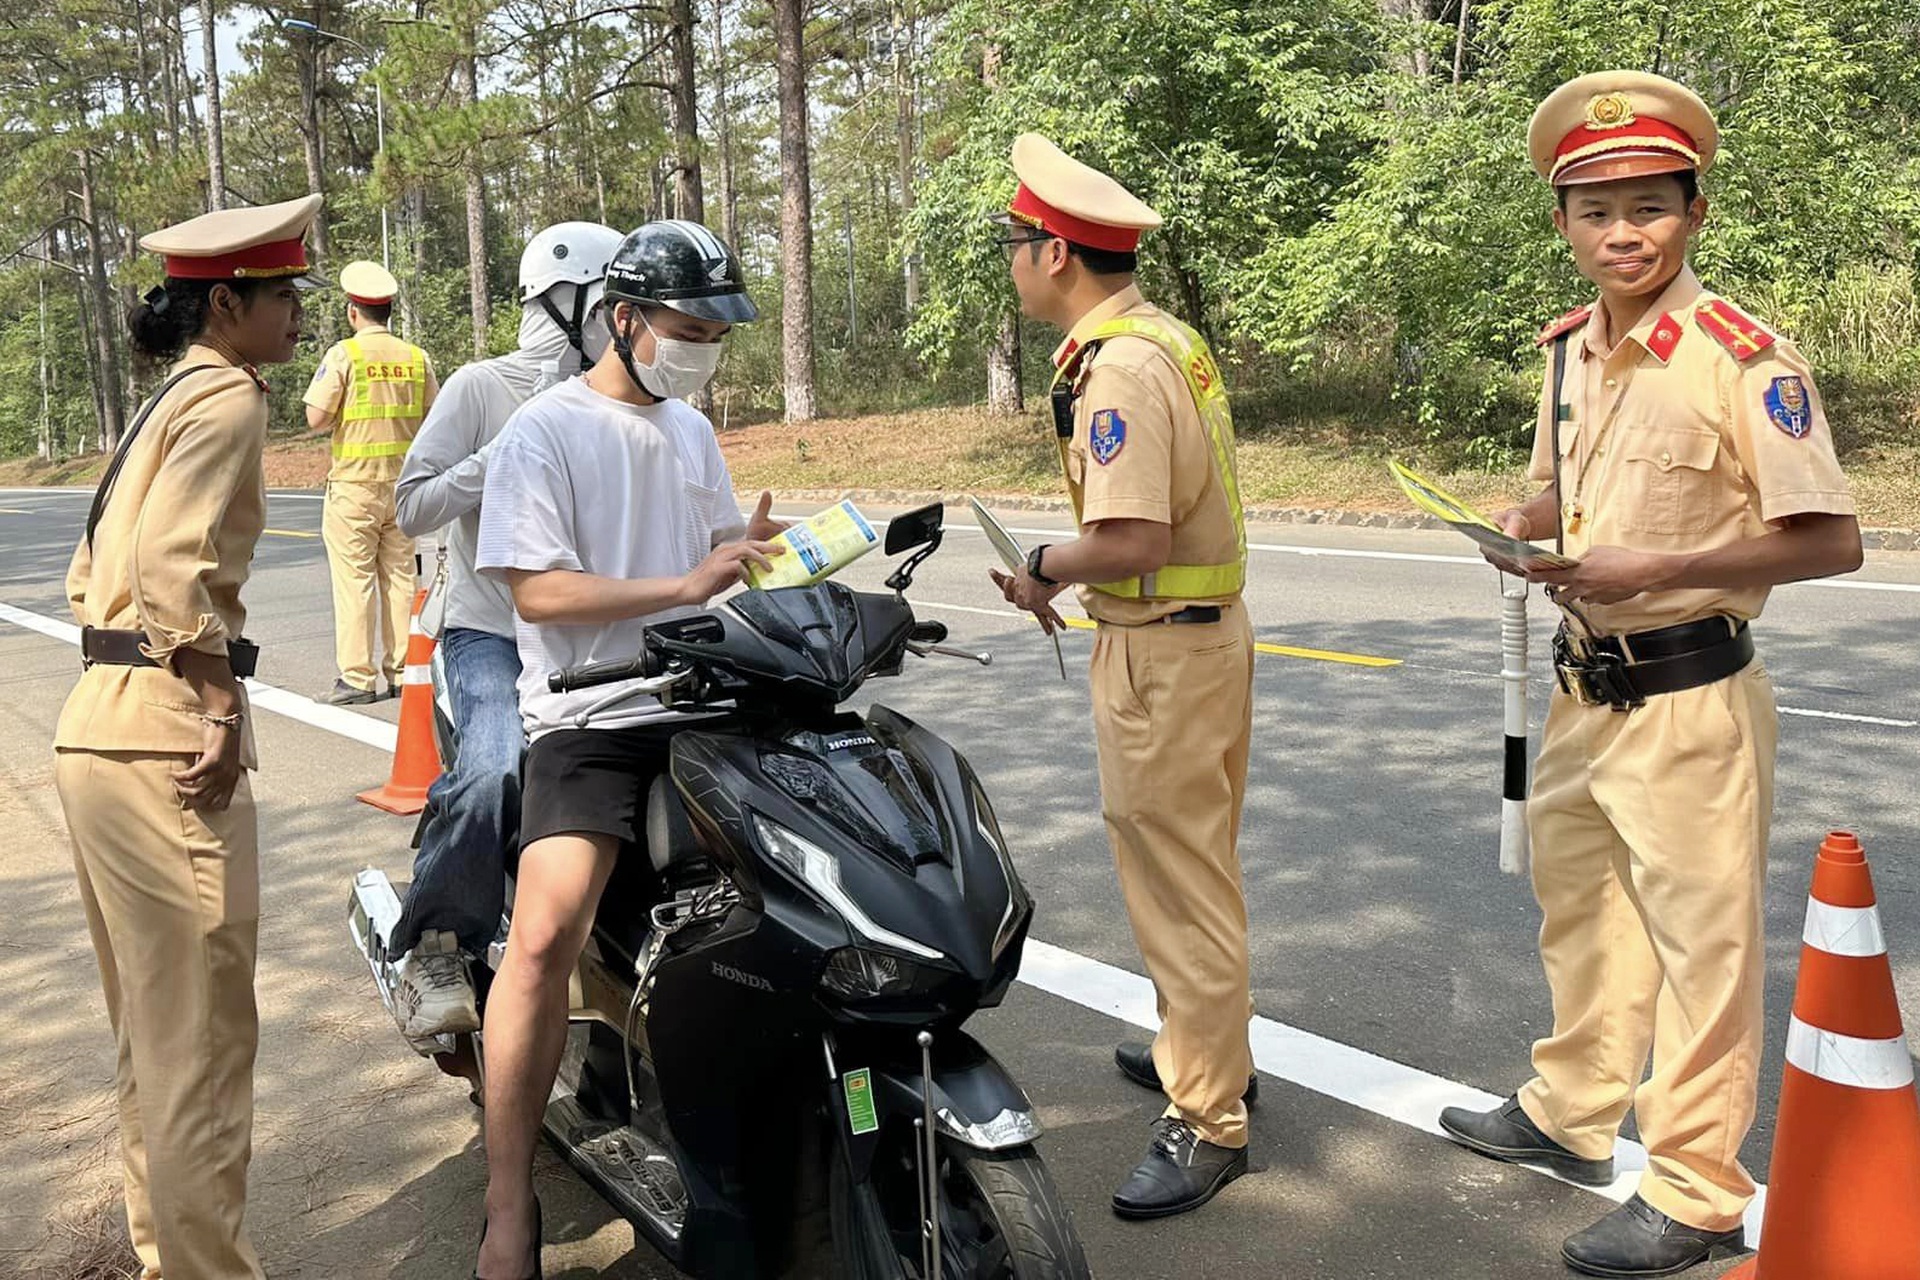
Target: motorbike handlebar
[589,674]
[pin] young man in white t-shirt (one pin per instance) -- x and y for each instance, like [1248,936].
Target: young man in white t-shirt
[459,877]
[607,506]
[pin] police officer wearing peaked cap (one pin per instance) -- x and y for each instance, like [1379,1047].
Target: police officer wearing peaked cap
[154,744]
[1688,468]
[1145,437]
[371,393]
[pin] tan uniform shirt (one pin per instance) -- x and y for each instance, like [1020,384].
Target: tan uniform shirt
[333,381]
[1693,451]
[1161,467]
[171,552]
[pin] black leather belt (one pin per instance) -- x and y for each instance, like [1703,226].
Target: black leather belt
[1622,672]
[122,649]
[1194,613]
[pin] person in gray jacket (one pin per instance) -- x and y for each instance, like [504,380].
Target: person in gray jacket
[453,907]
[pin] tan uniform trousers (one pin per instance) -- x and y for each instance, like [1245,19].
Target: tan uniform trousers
[172,898]
[372,563]
[1649,836]
[1173,720]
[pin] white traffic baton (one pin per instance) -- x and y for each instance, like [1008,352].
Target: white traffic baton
[1513,674]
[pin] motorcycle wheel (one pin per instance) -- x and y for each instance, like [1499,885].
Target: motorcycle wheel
[1001,1217]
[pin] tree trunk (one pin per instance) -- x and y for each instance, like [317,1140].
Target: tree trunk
[414,230]
[903,94]
[181,75]
[1460,42]
[106,355]
[469,88]
[169,88]
[1003,367]
[310,138]
[796,212]
[683,103]
[729,202]
[83,306]
[216,141]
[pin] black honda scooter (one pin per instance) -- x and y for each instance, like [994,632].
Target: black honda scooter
[766,1072]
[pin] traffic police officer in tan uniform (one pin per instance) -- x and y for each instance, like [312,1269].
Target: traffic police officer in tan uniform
[1688,468]
[1146,440]
[371,392]
[154,743]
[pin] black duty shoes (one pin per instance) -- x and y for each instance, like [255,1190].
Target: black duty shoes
[1179,1173]
[1135,1061]
[1638,1240]
[345,695]
[1506,1133]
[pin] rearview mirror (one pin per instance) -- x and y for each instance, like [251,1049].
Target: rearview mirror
[916,528]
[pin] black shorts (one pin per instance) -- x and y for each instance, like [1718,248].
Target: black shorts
[592,780]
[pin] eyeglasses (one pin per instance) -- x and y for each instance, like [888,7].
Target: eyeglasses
[1011,244]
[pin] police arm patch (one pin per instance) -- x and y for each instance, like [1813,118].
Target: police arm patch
[1106,435]
[1788,407]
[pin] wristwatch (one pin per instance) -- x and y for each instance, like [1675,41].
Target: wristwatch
[1033,566]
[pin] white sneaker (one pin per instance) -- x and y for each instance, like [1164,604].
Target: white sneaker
[432,990]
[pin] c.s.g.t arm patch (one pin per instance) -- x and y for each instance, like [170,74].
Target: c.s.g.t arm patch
[1788,407]
[1106,435]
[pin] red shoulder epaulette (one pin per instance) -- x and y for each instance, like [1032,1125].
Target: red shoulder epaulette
[1733,328]
[1565,324]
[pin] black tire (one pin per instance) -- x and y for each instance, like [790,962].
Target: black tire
[1001,1217]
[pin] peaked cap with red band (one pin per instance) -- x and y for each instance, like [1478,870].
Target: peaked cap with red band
[368,283]
[263,243]
[1065,198]
[1620,124]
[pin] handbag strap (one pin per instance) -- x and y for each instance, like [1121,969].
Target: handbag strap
[112,472]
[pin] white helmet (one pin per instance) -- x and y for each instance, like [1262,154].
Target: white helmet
[574,253]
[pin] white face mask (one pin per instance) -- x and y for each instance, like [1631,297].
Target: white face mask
[679,368]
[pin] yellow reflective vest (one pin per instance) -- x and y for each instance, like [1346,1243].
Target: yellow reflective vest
[386,400]
[1189,353]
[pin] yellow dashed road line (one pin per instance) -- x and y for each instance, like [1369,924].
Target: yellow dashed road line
[1288,651]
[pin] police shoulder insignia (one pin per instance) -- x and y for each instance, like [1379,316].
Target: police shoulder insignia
[1788,407]
[1565,324]
[1733,328]
[1106,435]
[1665,337]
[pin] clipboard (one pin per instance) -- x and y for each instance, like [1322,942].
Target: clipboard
[1014,557]
[1443,506]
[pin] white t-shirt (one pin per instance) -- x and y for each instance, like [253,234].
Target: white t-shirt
[584,482]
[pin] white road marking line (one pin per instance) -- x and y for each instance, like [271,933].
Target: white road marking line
[1381,1086]
[1850,717]
[336,720]
[1341,1072]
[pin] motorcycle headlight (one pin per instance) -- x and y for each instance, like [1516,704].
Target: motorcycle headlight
[856,973]
[820,872]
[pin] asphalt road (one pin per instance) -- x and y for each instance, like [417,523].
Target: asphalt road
[1380,920]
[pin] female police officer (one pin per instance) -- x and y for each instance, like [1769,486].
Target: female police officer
[153,743]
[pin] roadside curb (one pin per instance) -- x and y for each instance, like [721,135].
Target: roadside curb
[1872,539]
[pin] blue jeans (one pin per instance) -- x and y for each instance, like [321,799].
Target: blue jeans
[473,809]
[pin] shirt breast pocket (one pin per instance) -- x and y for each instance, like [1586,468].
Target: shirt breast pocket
[1667,482]
[700,518]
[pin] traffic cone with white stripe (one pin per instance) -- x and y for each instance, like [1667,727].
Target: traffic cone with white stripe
[416,758]
[1843,1196]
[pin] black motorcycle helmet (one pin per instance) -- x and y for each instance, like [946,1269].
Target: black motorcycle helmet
[681,266]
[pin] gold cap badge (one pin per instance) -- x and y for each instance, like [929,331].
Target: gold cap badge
[1609,111]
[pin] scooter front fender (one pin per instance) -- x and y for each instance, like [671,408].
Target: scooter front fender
[974,1099]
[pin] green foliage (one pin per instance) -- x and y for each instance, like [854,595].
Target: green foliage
[1367,229]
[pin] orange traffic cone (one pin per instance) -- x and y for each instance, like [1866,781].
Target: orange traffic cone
[1843,1197]
[416,758]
